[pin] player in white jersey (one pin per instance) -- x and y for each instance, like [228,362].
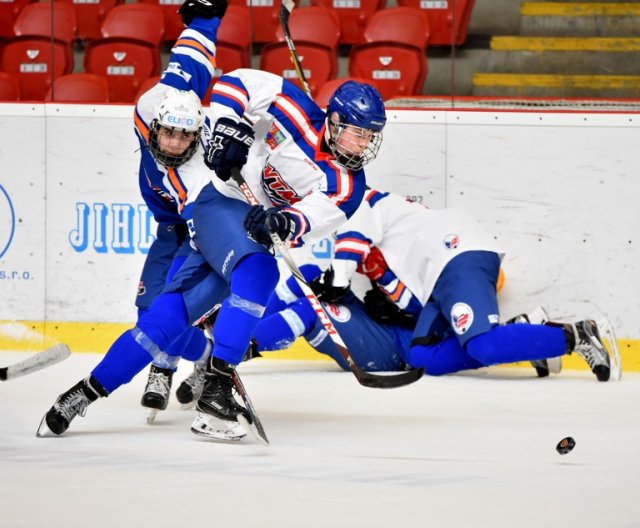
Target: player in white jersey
[437,270]
[316,200]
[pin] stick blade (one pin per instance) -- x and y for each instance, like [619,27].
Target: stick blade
[390,381]
[48,357]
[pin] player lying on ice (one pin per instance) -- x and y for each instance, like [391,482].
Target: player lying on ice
[306,168]
[433,303]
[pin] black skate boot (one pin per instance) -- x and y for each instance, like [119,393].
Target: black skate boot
[590,347]
[70,404]
[156,393]
[190,389]
[218,410]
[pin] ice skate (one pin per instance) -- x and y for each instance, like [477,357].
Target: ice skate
[70,404]
[190,389]
[590,347]
[218,410]
[156,394]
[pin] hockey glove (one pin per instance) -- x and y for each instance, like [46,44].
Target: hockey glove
[324,289]
[260,222]
[383,310]
[202,9]
[229,147]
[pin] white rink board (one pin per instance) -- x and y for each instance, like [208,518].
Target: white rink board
[556,189]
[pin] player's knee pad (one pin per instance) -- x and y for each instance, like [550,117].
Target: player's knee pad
[255,278]
[165,320]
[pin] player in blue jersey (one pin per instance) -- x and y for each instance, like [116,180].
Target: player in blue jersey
[434,301]
[306,168]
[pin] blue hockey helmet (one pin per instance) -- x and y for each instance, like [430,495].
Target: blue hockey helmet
[355,119]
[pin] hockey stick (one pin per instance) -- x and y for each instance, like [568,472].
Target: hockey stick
[364,378]
[286,7]
[44,359]
[250,420]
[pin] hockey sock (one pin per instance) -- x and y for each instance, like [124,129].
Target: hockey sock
[252,283]
[289,291]
[444,357]
[157,328]
[517,342]
[190,345]
[280,330]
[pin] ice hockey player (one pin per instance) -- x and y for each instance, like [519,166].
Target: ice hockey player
[434,301]
[307,170]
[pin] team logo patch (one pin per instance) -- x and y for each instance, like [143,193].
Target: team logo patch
[274,137]
[338,312]
[461,317]
[451,241]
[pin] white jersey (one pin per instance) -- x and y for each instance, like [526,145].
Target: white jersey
[289,164]
[416,242]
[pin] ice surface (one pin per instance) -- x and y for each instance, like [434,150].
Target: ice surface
[470,450]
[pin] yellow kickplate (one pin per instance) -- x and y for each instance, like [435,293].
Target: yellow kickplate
[594,82]
[608,44]
[569,9]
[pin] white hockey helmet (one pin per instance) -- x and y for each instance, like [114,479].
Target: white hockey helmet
[178,110]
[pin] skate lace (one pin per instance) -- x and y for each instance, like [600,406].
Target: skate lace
[196,379]
[591,349]
[158,383]
[72,405]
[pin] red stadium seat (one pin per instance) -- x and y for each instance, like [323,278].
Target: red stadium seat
[126,63]
[397,69]
[318,63]
[264,18]
[353,15]
[326,90]
[234,40]
[173,25]
[315,24]
[141,22]
[79,88]
[9,10]
[37,61]
[9,87]
[38,19]
[146,85]
[403,25]
[448,21]
[90,15]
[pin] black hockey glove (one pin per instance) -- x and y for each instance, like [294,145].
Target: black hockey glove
[324,289]
[383,310]
[229,147]
[260,222]
[202,9]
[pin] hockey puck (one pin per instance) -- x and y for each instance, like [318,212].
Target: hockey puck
[565,445]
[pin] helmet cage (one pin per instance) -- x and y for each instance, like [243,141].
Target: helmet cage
[339,144]
[171,161]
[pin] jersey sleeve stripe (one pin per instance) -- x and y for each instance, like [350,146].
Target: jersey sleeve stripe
[228,94]
[339,182]
[141,126]
[197,52]
[178,186]
[374,196]
[297,117]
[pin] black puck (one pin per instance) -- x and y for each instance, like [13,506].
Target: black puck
[565,445]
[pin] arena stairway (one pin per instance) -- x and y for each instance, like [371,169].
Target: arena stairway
[566,49]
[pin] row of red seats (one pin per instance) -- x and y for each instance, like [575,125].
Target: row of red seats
[449,19]
[92,88]
[393,55]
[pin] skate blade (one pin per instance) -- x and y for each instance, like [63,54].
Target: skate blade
[151,416]
[187,406]
[213,428]
[43,429]
[538,316]
[608,336]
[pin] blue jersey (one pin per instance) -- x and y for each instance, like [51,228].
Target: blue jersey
[191,67]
